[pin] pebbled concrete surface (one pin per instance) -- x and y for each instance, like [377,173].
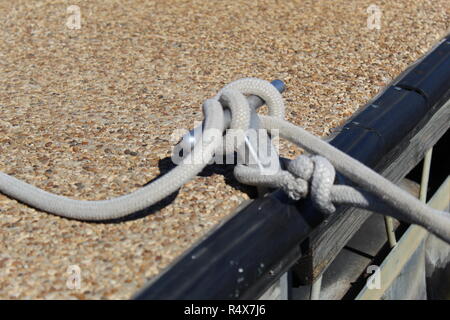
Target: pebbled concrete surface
[89,114]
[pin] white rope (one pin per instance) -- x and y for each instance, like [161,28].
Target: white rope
[316,176]
[144,197]
[406,207]
[306,175]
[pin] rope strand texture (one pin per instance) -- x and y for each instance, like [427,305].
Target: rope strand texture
[407,207]
[312,176]
[130,203]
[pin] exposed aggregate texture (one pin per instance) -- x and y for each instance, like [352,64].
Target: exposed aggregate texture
[89,114]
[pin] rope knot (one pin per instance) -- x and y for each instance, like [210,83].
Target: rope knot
[315,173]
[296,188]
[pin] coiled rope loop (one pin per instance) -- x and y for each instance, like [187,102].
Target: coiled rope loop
[306,175]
